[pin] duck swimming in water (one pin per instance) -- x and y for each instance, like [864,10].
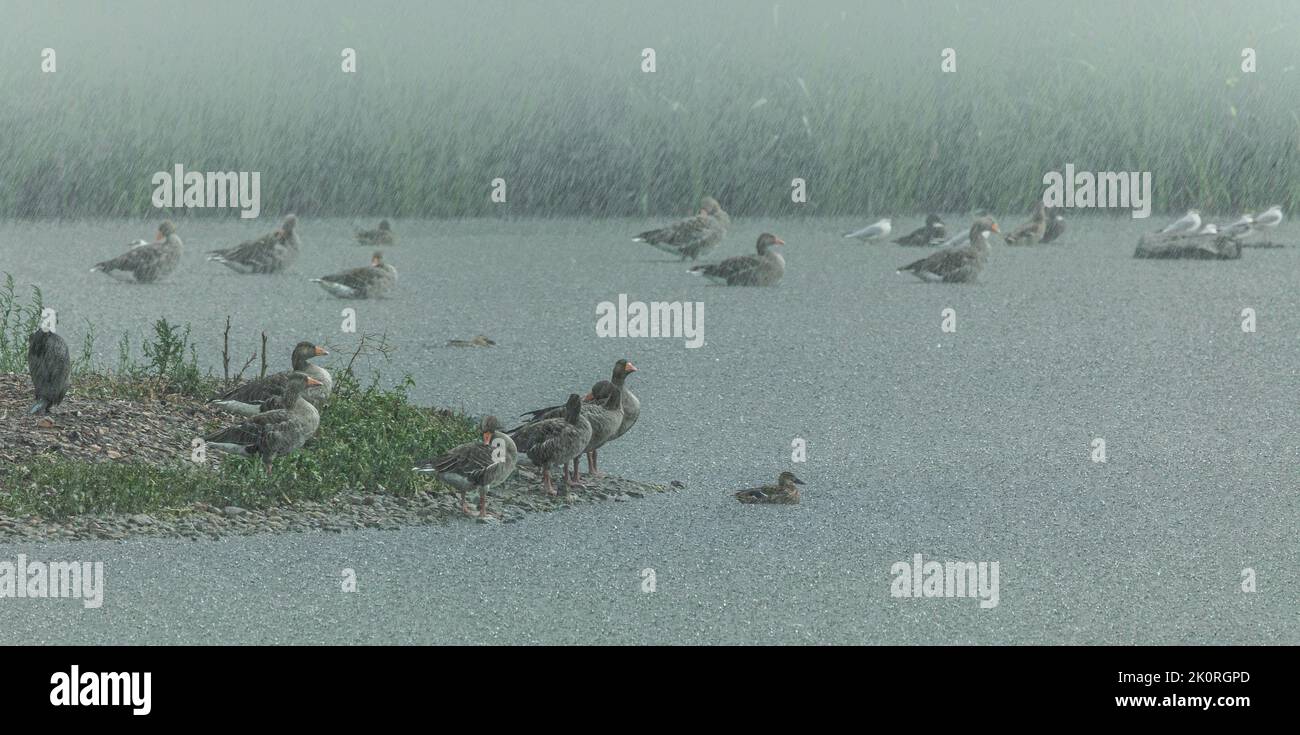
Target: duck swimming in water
[784,492]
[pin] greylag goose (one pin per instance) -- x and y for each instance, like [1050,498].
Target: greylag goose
[1055,226]
[266,394]
[382,236]
[784,492]
[693,236]
[873,232]
[361,283]
[1190,222]
[274,433]
[1031,232]
[932,233]
[957,265]
[476,464]
[764,269]
[147,262]
[555,441]
[267,254]
[49,366]
[630,404]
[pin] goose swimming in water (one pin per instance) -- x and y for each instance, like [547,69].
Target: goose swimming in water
[784,492]
[957,265]
[361,283]
[555,441]
[268,254]
[873,232]
[764,269]
[476,464]
[1190,222]
[49,366]
[693,236]
[274,433]
[265,394]
[147,262]
[932,233]
[382,236]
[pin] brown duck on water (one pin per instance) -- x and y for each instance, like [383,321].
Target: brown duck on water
[265,394]
[147,262]
[932,233]
[957,265]
[361,283]
[476,464]
[49,366]
[784,492]
[274,433]
[1031,232]
[382,236]
[630,404]
[693,236]
[764,269]
[555,441]
[267,254]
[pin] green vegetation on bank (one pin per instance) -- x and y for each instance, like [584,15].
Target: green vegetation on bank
[368,438]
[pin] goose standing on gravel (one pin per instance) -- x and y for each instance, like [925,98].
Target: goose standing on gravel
[361,283]
[267,254]
[957,265]
[1190,222]
[49,366]
[266,394]
[274,433]
[630,404]
[784,492]
[1055,226]
[932,233]
[555,441]
[873,232]
[693,236]
[603,409]
[147,262]
[476,464]
[1031,232]
[382,236]
[764,269]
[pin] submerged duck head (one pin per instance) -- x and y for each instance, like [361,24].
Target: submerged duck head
[166,229]
[788,478]
[766,241]
[487,427]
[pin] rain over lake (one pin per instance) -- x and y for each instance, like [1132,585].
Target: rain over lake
[1103,446]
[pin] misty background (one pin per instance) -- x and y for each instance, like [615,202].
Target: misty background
[550,96]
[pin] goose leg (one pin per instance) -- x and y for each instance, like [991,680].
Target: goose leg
[546,479]
[482,503]
[592,464]
[575,474]
[463,507]
[572,481]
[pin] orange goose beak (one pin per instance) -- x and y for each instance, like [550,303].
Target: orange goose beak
[313,381]
[487,437]
[321,350]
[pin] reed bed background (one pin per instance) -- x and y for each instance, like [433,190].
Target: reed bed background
[551,97]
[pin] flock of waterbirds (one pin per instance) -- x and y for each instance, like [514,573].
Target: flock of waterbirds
[279,413]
